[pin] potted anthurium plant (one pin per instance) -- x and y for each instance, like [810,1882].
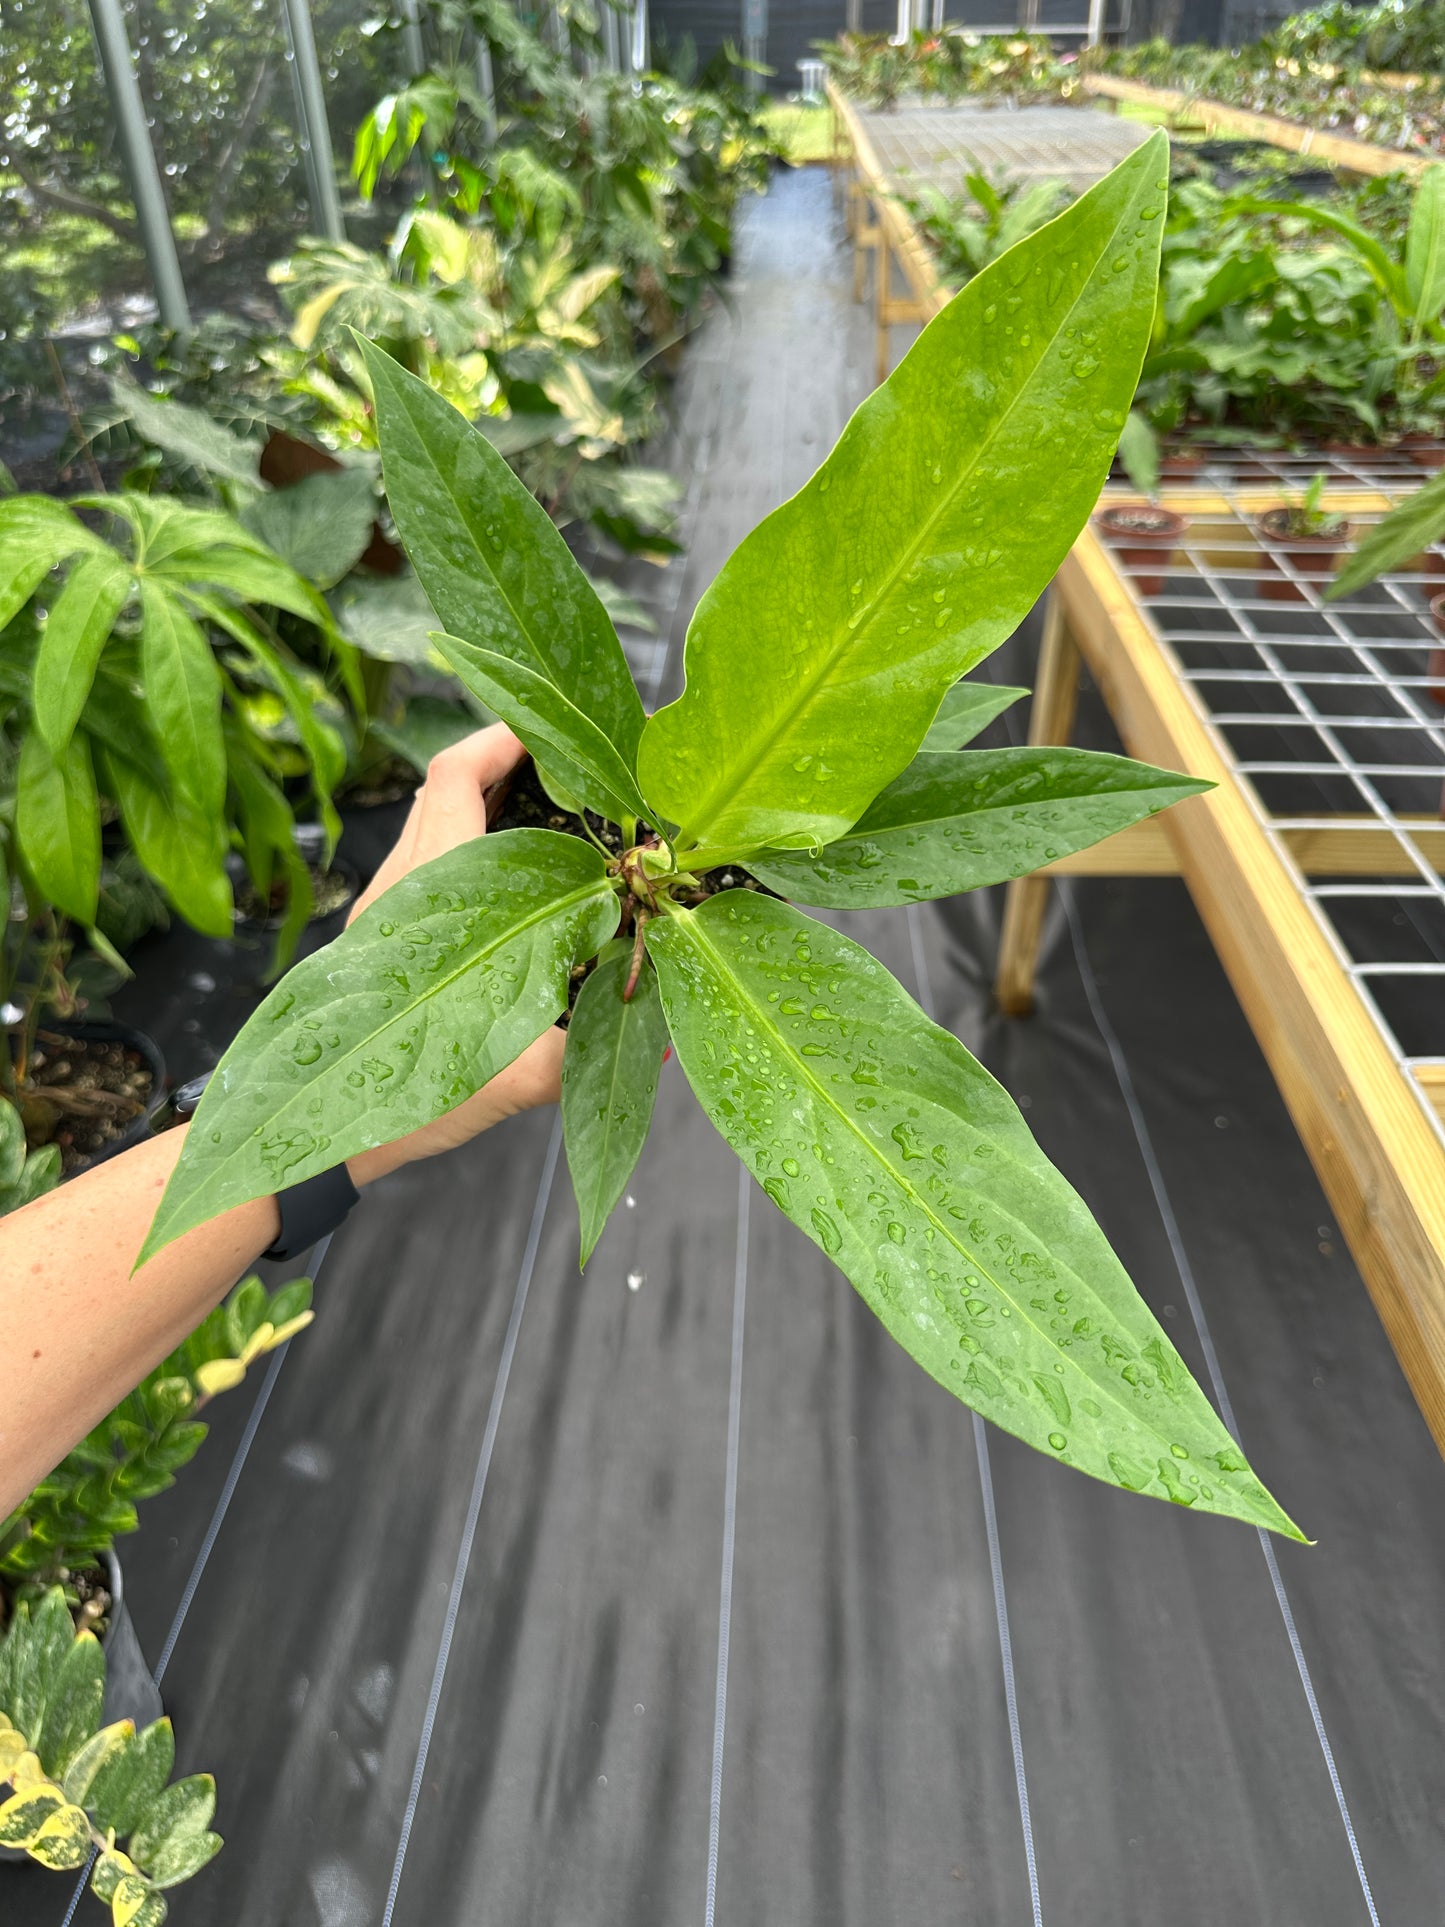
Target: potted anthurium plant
[817,663]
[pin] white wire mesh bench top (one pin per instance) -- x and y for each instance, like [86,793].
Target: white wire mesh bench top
[1333,714]
[935,144]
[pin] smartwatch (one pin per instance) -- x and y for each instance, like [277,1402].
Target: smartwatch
[309,1211]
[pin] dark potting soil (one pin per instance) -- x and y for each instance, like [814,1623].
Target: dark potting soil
[87,1593]
[385,782]
[81,1094]
[331,888]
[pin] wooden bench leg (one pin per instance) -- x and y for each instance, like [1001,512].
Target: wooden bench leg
[882,274]
[1051,720]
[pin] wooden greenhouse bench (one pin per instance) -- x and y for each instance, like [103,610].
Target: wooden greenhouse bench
[1370,1117]
[1372,1121]
[1361,157]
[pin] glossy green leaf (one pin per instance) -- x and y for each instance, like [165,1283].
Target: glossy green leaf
[898,1154]
[610,1070]
[817,659]
[551,726]
[435,988]
[177,843]
[75,632]
[968,708]
[183,695]
[1412,525]
[321,526]
[1425,248]
[72,1704]
[36,533]
[130,1778]
[57,824]
[957,822]
[491,562]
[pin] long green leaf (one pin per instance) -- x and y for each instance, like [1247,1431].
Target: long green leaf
[181,846]
[968,708]
[75,632]
[819,656]
[536,709]
[898,1154]
[489,558]
[57,824]
[957,822]
[1370,250]
[1412,525]
[610,1070]
[1425,249]
[435,988]
[183,694]
[72,1705]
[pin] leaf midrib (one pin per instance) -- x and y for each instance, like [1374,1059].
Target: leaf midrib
[555,907]
[736,778]
[765,1016]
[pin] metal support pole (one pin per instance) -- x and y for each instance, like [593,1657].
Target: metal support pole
[487,84]
[151,214]
[412,40]
[611,52]
[641,48]
[755,39]
[1096,21]
[315,128]
[938,12]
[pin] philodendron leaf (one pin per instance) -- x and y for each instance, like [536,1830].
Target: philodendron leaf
[819,656]
[537,711]
[490,559]
[959,821]
[181,847]
[1410,526]
[435,988]
[879,1135]
[968,708]
[610,1070]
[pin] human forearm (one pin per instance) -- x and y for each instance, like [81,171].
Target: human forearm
[79,1331]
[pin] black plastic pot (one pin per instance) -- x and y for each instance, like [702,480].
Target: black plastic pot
[103,1031]
[130,1692]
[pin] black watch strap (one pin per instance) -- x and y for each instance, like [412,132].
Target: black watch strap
[309,1210]
[312,1209]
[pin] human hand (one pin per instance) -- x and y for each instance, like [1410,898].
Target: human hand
[449,809]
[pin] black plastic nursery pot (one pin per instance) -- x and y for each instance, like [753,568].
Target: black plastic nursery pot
[140,1053]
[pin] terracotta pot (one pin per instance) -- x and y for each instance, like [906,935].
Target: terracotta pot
[1435,668]
[1312,556]
[1143,537]
[1426,451]
[1181,464]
